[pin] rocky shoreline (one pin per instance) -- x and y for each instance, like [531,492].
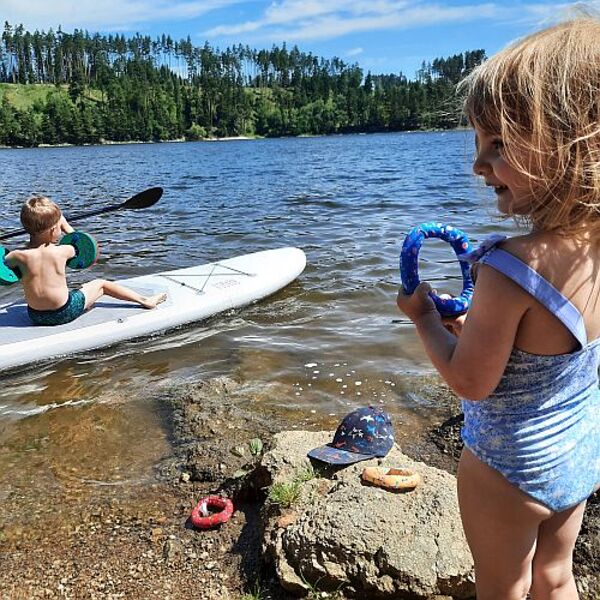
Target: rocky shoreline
[140,544]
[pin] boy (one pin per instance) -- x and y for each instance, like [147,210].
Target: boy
[42,263]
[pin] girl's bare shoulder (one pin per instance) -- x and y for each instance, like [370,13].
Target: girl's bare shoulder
[525,246]
[544,252]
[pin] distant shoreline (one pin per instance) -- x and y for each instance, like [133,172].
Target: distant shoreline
[126,142]
[223,139]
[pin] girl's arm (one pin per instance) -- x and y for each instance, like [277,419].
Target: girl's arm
[473,363]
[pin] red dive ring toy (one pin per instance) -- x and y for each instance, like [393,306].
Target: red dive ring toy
[224,505]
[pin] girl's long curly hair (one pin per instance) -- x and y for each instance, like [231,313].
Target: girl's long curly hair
[541,95]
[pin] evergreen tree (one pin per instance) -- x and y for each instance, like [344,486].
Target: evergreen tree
[117,88]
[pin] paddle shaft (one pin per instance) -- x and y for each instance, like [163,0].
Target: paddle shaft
[144,199]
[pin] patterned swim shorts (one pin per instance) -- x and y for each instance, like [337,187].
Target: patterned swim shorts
[73,308]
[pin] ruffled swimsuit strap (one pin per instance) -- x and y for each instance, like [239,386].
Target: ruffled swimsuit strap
[541,289]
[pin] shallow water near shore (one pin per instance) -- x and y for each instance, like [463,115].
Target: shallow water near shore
[333,339]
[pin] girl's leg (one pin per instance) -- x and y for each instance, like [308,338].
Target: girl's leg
[93,290]
[553,560]
[501,525]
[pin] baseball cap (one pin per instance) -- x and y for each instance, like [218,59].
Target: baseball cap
[364,433]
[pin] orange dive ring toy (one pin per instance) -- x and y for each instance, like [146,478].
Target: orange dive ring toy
[392,479]
[203,518]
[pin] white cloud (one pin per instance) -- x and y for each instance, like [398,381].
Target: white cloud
[104,14]
[300,20]
[303,20]
[354,51]
[292,20]
[547,13]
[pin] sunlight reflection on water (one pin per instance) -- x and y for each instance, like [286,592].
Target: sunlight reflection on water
[347,201]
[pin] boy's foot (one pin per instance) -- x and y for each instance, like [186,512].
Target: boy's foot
[153,301]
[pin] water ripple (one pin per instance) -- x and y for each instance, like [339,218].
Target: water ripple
[347,201]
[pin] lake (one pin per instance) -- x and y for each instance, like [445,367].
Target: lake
[334,338]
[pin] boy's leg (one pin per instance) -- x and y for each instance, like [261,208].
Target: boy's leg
[93,290]
[501,525]
[553,561]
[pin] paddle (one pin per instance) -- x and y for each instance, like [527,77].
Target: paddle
[144,199]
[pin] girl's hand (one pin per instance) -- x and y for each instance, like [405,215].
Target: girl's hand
[454,324]
[417,304]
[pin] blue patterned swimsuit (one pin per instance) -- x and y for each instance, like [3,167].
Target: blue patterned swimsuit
[540,427]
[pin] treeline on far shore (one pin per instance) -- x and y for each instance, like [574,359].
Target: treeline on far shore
[77,88]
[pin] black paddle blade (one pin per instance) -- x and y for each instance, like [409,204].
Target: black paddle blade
[144,199]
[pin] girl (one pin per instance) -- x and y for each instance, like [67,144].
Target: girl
[526,362]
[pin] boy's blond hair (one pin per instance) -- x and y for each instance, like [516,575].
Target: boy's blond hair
[541,95]
[39,214]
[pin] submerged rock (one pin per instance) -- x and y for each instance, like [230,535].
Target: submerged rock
[364,540]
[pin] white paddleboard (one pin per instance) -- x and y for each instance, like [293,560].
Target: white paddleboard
[194,293]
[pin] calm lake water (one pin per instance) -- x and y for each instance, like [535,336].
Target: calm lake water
[333,339]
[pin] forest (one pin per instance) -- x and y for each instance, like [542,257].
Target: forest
[81,88]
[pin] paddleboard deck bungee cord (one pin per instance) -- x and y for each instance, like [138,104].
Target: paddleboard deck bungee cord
[193,294]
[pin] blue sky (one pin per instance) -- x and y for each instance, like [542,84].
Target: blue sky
[383,36]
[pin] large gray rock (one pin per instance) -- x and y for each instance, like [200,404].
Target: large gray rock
[365,541]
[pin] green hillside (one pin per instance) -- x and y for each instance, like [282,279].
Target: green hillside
[23,96]
[57,87]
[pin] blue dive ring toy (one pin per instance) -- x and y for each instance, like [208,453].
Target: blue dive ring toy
[448,306]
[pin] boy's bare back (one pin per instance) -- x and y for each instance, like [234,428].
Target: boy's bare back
[43,263]
[44,279]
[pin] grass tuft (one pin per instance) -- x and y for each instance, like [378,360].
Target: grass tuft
[254,594]
[285,494]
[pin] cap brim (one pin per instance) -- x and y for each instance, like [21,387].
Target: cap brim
[334,456]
